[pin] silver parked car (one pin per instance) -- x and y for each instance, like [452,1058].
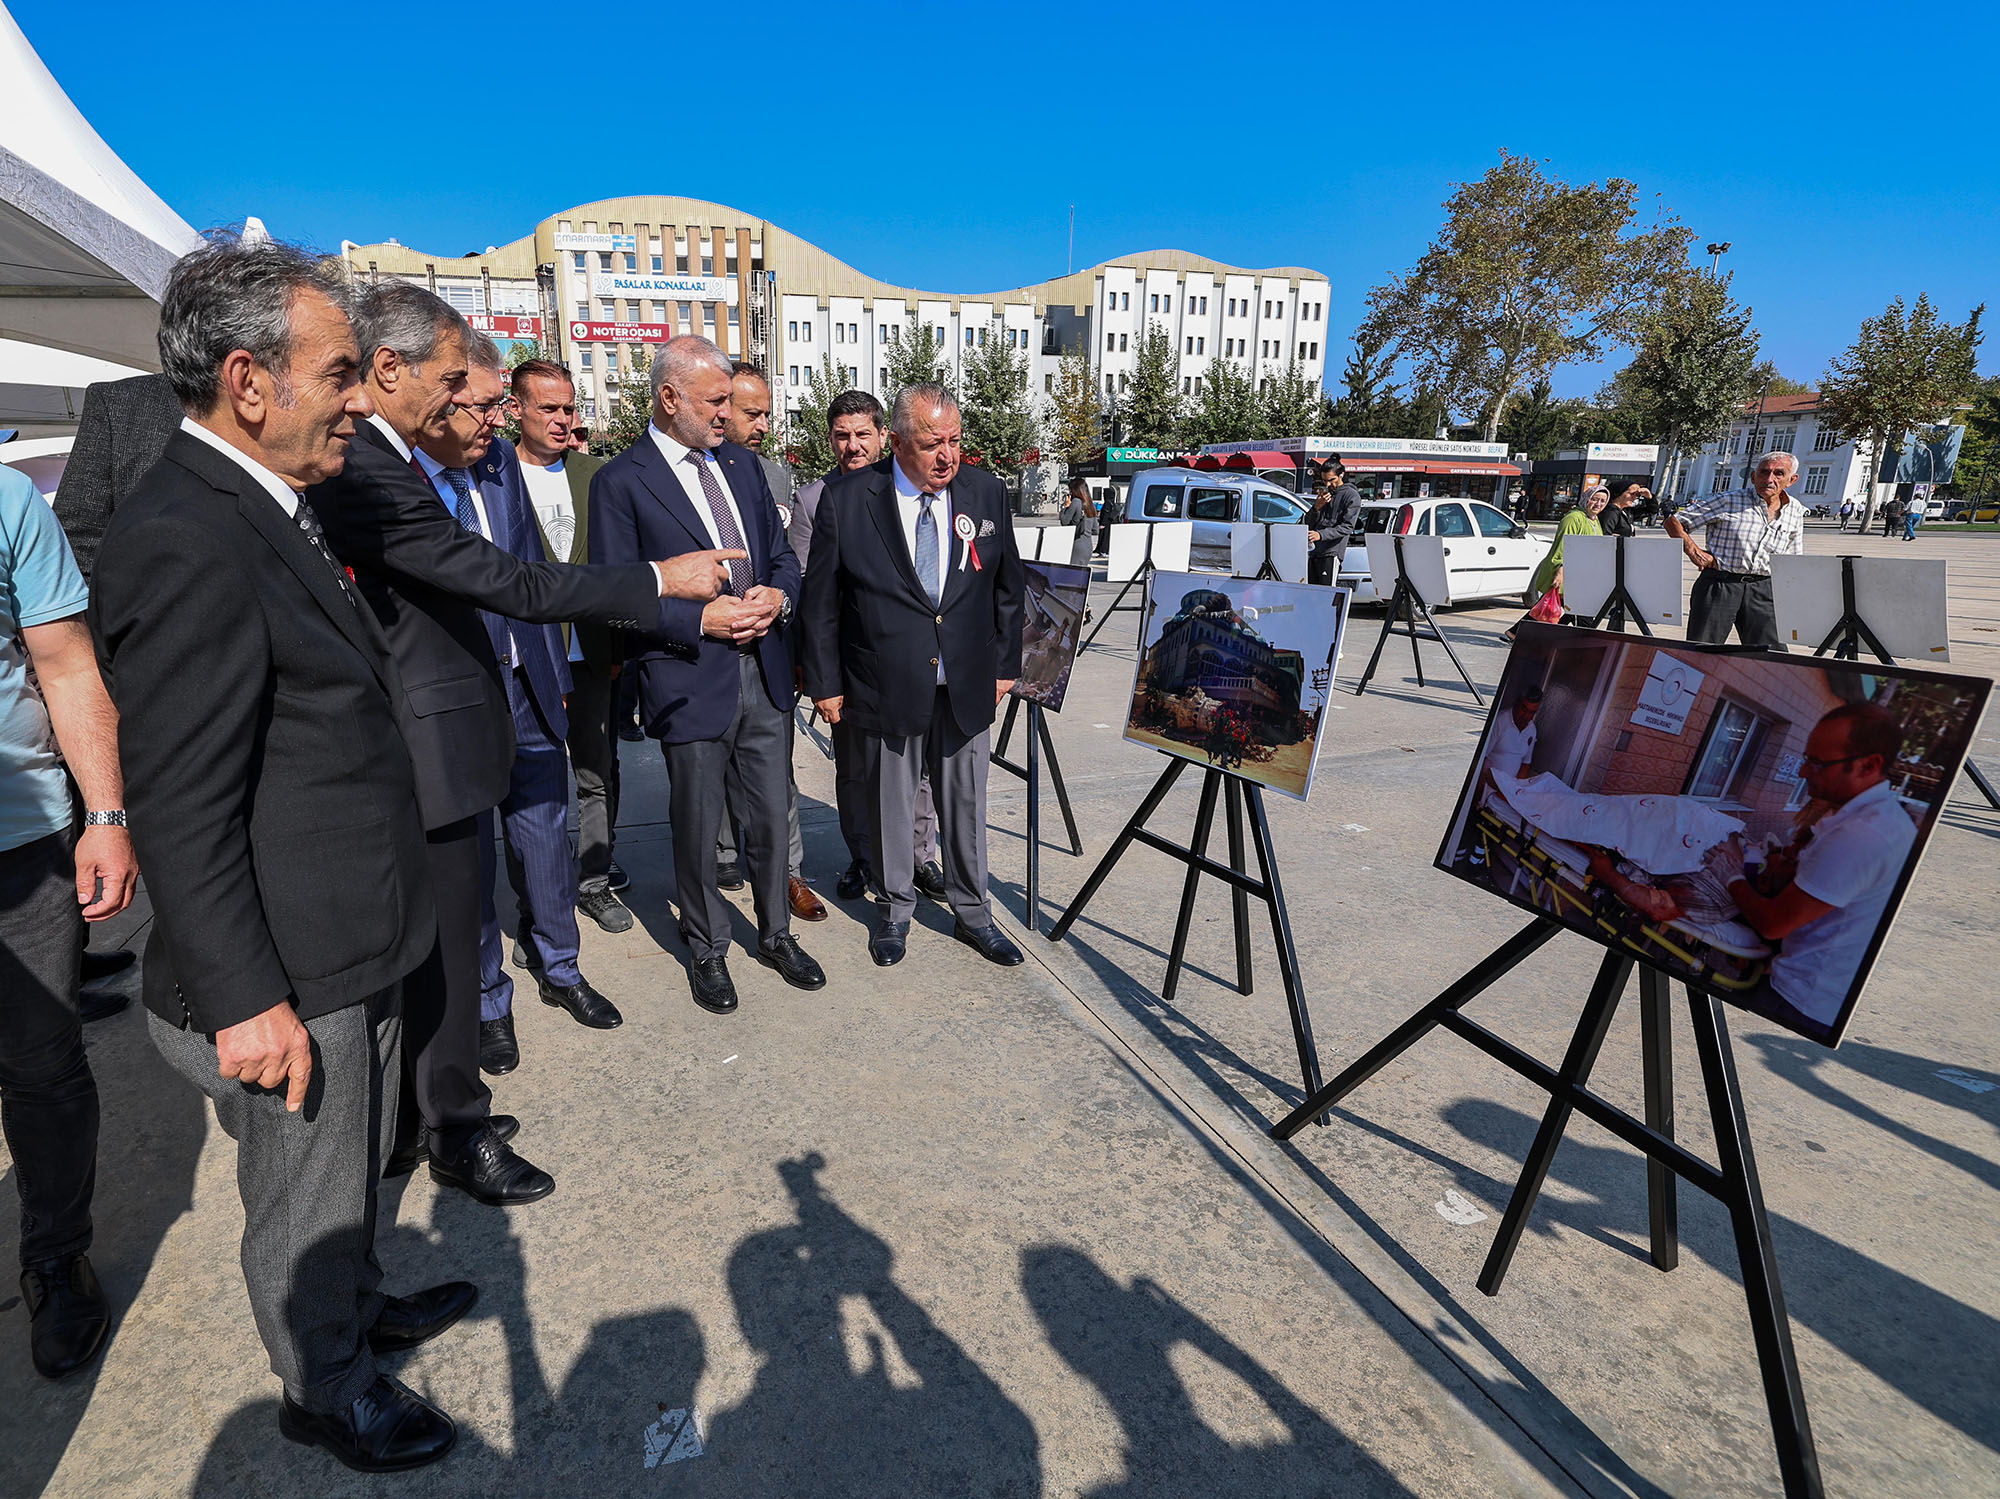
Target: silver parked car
[1212,501]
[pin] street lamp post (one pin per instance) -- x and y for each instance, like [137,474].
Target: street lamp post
[1715,254]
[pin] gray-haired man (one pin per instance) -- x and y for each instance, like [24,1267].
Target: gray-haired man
[1746,528]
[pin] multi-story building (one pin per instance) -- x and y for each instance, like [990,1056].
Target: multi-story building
[594,281]
[1831,467]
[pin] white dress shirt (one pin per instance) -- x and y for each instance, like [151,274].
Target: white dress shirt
[395,438]
[676,454]
[278,489]
[445,492]
[909,505]
[555,508]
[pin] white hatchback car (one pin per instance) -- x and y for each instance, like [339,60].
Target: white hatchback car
[1486,555]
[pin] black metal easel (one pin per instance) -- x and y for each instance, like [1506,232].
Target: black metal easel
[1733,1182]
[1237,793]
[1404,606]
[1619,599]
[1039,743]
[1850,632]
[1270,568]
[1137,580]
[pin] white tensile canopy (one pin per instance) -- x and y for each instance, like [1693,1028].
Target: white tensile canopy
[41,389]
[85,246]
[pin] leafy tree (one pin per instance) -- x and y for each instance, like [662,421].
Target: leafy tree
[1774,384]
[633,411]
[522,350]
[1153,404]
[1225,410]
[1370,404]
[1288,403]
[1906,369]
[1001,423]
[1075,412]
[1979,459]
[807,448]
[916,358]
[1536,423]
[1527,274]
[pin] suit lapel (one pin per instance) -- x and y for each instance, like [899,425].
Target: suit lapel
[888,517]
[665,486]
[744,488]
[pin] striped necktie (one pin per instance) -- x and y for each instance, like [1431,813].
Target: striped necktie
[462,506]
[726,531]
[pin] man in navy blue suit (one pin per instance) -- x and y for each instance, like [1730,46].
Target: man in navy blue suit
[725,716]
[535,812]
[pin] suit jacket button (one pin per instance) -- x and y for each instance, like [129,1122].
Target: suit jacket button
[934,661]
[940,619]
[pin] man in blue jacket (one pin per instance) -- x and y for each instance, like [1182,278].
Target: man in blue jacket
[726,714]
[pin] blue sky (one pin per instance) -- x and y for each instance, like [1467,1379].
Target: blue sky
[1847,156]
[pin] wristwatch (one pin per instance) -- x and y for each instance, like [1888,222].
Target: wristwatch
[111,819]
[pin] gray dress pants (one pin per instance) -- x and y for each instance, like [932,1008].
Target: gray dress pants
[308,1181]
[956,762]
[850,796]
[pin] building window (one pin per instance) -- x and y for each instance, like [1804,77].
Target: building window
[1124,382]
[659,264]
[1048,385]
[795,374]
[1721,480]
[1825,440]
[882,333]
[1186,385]
[1197,385]
[1201,347]
[708,322]
[805,333]
[583,312]
[1754,443]
[1122,342]
[1156,302]
[585,359]
[729,258]
[1728,753]
[1110,343]
[1781,442]
[580,261]
[611,360]
[1190,347]
[631,261]
[1166,304]
[680,263]
[840,333]
[1107,385]
[1816,480]
[684,325]
[854,333]
[792,330]
[708,265]
[604,260]
[607,309]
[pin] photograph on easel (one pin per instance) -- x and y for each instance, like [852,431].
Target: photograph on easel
[1745,821]
[1234,674]
[1053,616]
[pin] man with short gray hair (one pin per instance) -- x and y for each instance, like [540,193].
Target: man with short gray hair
[1746,528]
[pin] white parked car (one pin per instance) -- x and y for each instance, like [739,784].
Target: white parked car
[1486,555]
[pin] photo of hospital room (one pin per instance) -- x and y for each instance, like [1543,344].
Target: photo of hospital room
[1745,822]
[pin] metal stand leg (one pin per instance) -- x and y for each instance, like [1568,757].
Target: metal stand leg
[1397,602]
[1041,723]
[1119,844]
[1281,933]
[1410,624]
[1985,786]
[1006,727]
[1656,1051]
[1034,881]
[1204,821]
[1239,898]
[1438,635]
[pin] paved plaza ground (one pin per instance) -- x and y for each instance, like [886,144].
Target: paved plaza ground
[951,1230]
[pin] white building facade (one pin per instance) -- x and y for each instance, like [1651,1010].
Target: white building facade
[1831,468]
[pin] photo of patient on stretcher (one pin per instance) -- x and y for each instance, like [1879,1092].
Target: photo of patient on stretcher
[1745,822]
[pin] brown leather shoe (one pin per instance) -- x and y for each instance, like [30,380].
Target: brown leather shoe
[805,905]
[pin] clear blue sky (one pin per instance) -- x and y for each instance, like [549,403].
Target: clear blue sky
[1849,156]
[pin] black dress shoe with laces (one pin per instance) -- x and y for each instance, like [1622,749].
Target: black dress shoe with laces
[729,876]
[606,909]
[889,941]
[794,967]
[406,1157]
[989,942]
[67,1314]
[854,884]
[489,1171]
[930,880]
[708,980]
[499,1053]
[387,1430]
[409,1320]
[585,1005]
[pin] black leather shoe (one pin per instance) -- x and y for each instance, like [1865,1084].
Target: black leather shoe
[498,1052]
[617,877]
[489,1171]
[101,965]
[854,884]
[708,978]
[729,876]
[409,1320]
[930,879]
[989,942]
[631,733]
[889,941]
[67,1314]
[412,1154]
[606,909]
[99,1004]
[585,1005]
[387,1430]
[794,967]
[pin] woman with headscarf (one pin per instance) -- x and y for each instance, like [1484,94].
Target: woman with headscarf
[1582,521]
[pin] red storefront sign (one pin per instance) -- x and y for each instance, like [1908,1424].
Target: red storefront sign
[619,333]
[506,325]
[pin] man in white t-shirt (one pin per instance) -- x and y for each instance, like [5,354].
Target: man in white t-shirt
[1511,749]
[1828,913]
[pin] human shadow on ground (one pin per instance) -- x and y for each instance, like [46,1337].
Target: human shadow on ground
[151,1128]
[1120,1338]
[858,1391]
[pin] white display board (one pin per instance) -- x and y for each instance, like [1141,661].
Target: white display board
[1423,557]
[1652,575]
[1902,600]
[1287,542]
[1028,541]
[1172,541]
[1056,544]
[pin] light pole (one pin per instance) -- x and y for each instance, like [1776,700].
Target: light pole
[1715,254]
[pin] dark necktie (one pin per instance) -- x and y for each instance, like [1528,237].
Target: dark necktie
[726,530]
[316,538]
[462,506]
[927,549]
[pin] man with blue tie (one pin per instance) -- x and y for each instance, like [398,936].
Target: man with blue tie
[476,473]
[727,712]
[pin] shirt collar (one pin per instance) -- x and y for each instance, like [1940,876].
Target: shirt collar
[1881,791]
[671,448]
[395,438]
[278,489]
[907,488]
[429,464]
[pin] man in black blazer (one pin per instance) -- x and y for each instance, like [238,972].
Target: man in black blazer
[426,575]
[122,432]
[274,807]
[912,630]
[723,716]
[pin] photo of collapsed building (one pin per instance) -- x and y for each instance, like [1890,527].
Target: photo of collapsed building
[1054,616]
[1746,822]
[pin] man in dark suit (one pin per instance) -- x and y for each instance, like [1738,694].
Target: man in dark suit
[427,572]
[122,432]
[274,808]
[912,633]
[724,716]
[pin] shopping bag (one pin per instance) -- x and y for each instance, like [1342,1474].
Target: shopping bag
[1548,608]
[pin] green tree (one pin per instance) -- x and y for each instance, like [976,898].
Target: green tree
[1979,459]
[1001,422]
[1527,274]
[1370,403]
[916,357]
[1288,404]
[807,447]
[1536,423]
[1075,412]
[633,411]
[1774,384]
[1907,368]
[1153,404]
[521,350]
[1224,410]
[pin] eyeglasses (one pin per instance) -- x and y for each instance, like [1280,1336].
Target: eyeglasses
[1810,764]
[487,411]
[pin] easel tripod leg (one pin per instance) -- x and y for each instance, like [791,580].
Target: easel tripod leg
[1410,606]
[1985,786]
[1056,779]
[1034,778]
[1656,1048]
[1204,821]
[1584,1045]
[1006,726]
[1288,953]
[1239,898]
[1118,846]
[1388,624]
[1431,620]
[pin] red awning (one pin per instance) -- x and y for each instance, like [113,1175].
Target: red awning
[1259,460]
